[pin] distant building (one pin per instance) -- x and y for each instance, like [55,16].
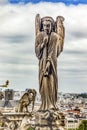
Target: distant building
[9,93]
[71,123]
[17,95]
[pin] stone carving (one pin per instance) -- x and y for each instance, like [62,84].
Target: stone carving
[1,95]
[26,100]
[28,122]
[13,125]
[4,121]
[48,45]
[6,84]
[49,120]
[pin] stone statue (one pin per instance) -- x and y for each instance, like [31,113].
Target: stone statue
[26,100]
[48,45]
[6,84]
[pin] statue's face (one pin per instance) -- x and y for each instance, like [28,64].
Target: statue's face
[47,27]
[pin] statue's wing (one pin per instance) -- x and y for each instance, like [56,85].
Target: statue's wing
[37,24]
[60,30]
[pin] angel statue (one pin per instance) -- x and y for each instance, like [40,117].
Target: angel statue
[48,46]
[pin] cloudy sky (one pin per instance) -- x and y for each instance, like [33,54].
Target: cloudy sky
[18,62]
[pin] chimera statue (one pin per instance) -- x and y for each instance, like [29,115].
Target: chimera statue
[27,99]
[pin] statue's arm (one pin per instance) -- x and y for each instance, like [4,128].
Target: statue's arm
[39,45]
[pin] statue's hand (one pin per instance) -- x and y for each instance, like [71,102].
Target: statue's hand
[45,40]
[47,69]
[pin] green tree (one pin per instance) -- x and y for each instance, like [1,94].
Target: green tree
[31,128]
[72,129]
[83,125]
[84,122]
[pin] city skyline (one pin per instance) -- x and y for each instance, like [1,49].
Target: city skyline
[18,62]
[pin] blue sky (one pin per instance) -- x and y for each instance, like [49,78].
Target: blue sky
[18,62]
[67,2]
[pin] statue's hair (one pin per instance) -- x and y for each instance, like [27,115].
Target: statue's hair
[47,19]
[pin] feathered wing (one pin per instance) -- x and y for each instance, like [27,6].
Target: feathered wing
[37,24]
[60,30]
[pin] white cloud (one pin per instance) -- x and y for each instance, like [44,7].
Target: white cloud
[3,2]
[17,36]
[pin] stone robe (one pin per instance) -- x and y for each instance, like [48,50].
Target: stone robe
[48,85]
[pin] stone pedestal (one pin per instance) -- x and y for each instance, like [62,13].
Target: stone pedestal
[48,120]
[43,120]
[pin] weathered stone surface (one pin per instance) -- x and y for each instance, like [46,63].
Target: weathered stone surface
[42,120]
[48,120]
[48,46]
[27,99]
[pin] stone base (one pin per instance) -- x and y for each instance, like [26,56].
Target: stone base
[48,120]
[42,120]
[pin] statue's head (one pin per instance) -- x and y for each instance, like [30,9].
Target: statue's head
[32,94]
[47,24]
